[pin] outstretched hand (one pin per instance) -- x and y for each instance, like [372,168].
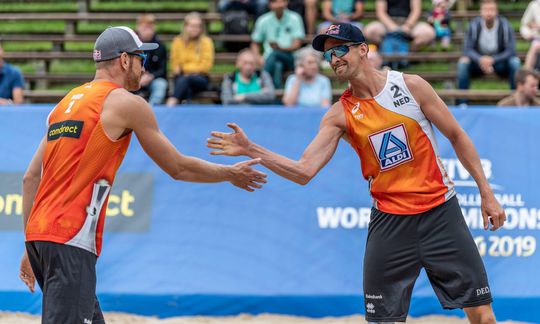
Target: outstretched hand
[247,178]
[231,144]
[26,274]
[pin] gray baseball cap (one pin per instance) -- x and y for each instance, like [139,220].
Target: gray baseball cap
[116,40]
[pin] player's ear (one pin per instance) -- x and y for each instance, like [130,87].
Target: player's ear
[124,60]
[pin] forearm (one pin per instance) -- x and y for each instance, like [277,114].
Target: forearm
[468,156]
[295,171]
[193,169]
[30,186]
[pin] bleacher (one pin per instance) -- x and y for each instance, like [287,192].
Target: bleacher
[52,41]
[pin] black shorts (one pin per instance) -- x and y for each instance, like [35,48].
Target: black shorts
[67,277]
[439,241]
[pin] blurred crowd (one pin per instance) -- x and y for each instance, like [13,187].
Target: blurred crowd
[279,55]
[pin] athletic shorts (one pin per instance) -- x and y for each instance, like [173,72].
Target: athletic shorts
[67,277]
[439,241]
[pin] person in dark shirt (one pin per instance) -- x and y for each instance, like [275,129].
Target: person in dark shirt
[154,80]
[489,47]
[526,88]
[400,16]
[11,82]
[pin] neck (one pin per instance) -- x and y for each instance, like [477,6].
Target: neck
[521,100]
[490,24]
[368,83]
[279,14]
[111,76]
[244,77]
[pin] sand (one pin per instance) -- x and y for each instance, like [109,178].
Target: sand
[117,318]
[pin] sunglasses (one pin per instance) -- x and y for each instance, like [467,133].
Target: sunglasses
[338,51]
[143,57]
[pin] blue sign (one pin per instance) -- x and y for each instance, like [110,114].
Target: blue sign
[177,248]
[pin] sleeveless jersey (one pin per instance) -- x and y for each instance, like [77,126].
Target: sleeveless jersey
[397,149]
[79,166]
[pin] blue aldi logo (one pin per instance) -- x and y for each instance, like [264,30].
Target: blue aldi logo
[391,146]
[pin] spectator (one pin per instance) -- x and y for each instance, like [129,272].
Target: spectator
[440,20]
[525,94]
[336,11]
[530,30]
[400,16]
[247,85]
[306,9]
[241,5]
[375,58]
[11,82]
[489,46]
[307,87]
[192,57]
[281,32]
[154,79]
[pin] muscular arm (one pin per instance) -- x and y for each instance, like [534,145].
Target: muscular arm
[123,111]
[31,180]
[437,112]
[316,155]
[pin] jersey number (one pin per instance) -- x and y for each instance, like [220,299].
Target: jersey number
[72,102]
[396,90]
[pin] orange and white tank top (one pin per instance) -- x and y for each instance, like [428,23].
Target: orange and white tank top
[79,165]
[397,149]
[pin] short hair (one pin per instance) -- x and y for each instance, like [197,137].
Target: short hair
[522,74]
[146,19]
[304,52]
[105,64]
[483,2]
[246,50]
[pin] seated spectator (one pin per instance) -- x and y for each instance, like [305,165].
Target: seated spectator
[489,47]
[336,11]
[11,82]
[400,16]
[281,32]
[154,79]
[440,20]
[192,57]
[247,85]
[306,9]
[530,30]
[307,87]
[526,90]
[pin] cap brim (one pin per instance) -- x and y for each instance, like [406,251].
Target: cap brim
[148,46]
[318,41]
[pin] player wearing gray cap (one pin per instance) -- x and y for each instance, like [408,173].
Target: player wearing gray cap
[66,186]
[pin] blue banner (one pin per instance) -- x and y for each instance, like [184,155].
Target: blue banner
[176,248]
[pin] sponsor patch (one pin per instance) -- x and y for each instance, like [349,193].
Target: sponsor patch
[391,146]
[333,30]
[97,55]
[66,128]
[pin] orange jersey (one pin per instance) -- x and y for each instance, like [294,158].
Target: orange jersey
[397,149]
[79,165]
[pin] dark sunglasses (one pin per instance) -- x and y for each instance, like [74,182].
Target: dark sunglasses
[143,57]
[338,51]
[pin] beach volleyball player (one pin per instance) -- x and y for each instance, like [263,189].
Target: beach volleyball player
[416,221]
[66,186]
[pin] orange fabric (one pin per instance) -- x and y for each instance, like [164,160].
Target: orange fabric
[411,187]
[78,153]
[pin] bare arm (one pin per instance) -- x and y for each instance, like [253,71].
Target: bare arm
[414,15]
[382,15]
[315,157]
[18,95]
[123,111]
[326,9]
[31,180]
[358,11]
[296,44]
[290,97]
[437,112]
